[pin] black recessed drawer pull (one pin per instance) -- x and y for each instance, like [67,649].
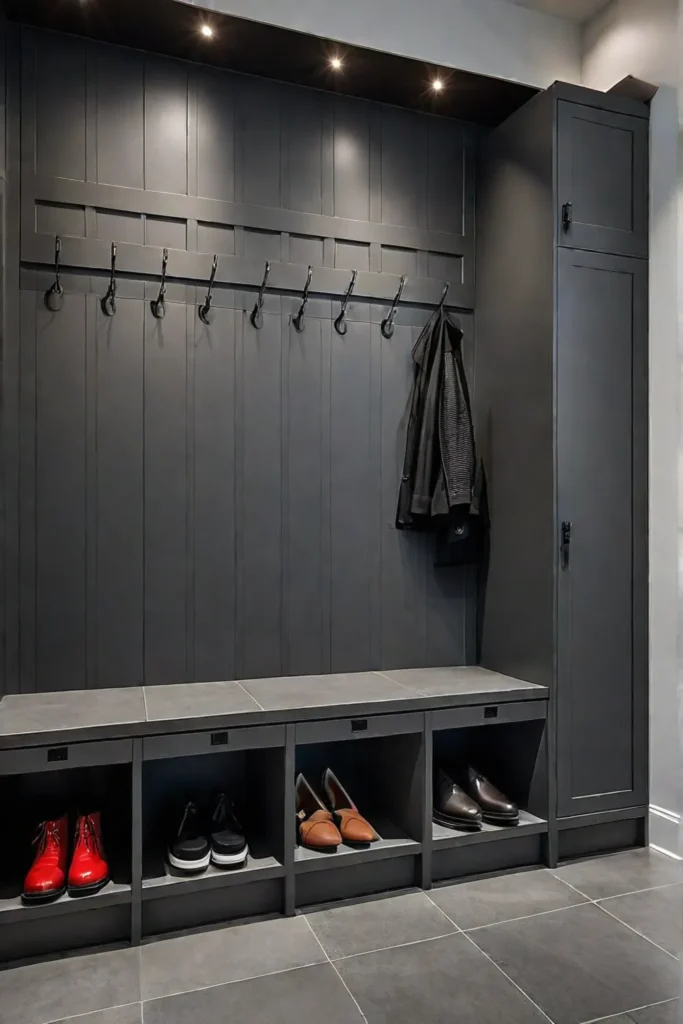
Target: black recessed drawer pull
[490,712]
[219,739]
[58,754]
[359,725]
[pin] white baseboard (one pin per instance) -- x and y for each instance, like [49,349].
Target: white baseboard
[665,831]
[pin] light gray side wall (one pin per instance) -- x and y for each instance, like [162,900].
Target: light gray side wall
[203,503]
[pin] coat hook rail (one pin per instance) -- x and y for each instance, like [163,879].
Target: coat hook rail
[206,314]
[298,320]
[158,305]
[257,312]
[340,324]
[108,302]
[388,322]
[54,296]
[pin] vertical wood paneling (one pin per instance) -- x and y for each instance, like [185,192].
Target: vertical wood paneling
[60,78]
[260,126]
[403,610]
[304,455]
[445,192]
[165,126]
[215,135]
[351,160]
[120,116]
[404,168]
[165,530]
[118,615]
[214,498]
[60,496]
[303,143]
[353,477]
[260,541]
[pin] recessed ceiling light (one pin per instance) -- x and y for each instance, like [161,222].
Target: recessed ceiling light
[207,31]
[437,85]
[336,63]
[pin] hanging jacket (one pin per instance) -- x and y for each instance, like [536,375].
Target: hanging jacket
[440,463]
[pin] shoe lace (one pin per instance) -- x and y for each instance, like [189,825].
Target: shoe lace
[85,831]
[45,831]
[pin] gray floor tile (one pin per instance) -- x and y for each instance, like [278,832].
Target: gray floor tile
[378,924]
[64,988]
[435,982]
[318,691]
[491,900]
[580,964]
[664,1013]
[226,954]
[131,1014]
[620,873]
[655,913]
[194,700]
[309,994]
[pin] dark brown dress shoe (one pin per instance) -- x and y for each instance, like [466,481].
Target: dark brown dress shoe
[495,806]
[353,826]
[452,806]
[315,823]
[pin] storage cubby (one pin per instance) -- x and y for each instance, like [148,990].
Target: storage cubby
[384,776]
[32,797]
[512,754]
[253,780]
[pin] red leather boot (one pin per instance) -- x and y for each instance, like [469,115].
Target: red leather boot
[89,871]
[46,879]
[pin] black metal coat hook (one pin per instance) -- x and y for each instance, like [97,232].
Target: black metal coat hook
[388,322]
[54,296]
[257,311]
[298,320]
[206,314]
[446,289]
[108,302]
[340,325]
[158,305]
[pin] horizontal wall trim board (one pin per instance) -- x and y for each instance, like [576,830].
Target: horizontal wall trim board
[39,188]
[601,817]
[145,261]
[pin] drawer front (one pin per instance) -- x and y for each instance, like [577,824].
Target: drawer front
[358,728]
[65,755]
[490,714]
[217,741]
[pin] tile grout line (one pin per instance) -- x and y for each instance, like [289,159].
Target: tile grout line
[249,695]
[399,945]
[334,968]
[634,1010]
[598,904]
[525,917]
[89,1013]
[498,968]
[618,895]
[222,984]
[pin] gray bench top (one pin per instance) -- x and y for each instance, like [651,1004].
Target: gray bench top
[31,719]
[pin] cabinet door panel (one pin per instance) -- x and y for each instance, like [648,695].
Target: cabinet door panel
[602,171]
[601,383]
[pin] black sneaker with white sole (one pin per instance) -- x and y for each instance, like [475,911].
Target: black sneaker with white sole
[226,836]
[190,850]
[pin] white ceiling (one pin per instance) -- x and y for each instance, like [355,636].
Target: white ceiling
[575,10]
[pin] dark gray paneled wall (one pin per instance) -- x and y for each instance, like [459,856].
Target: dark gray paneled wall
[203,503]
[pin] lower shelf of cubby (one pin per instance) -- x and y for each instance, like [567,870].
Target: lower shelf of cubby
[393,843]
[456,854]
[13,910]
[256,869]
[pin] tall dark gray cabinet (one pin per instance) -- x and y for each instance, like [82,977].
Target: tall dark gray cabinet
[562,273]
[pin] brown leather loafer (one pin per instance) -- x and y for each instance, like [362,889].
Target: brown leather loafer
[316,824]
[496,808]
[354,828]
